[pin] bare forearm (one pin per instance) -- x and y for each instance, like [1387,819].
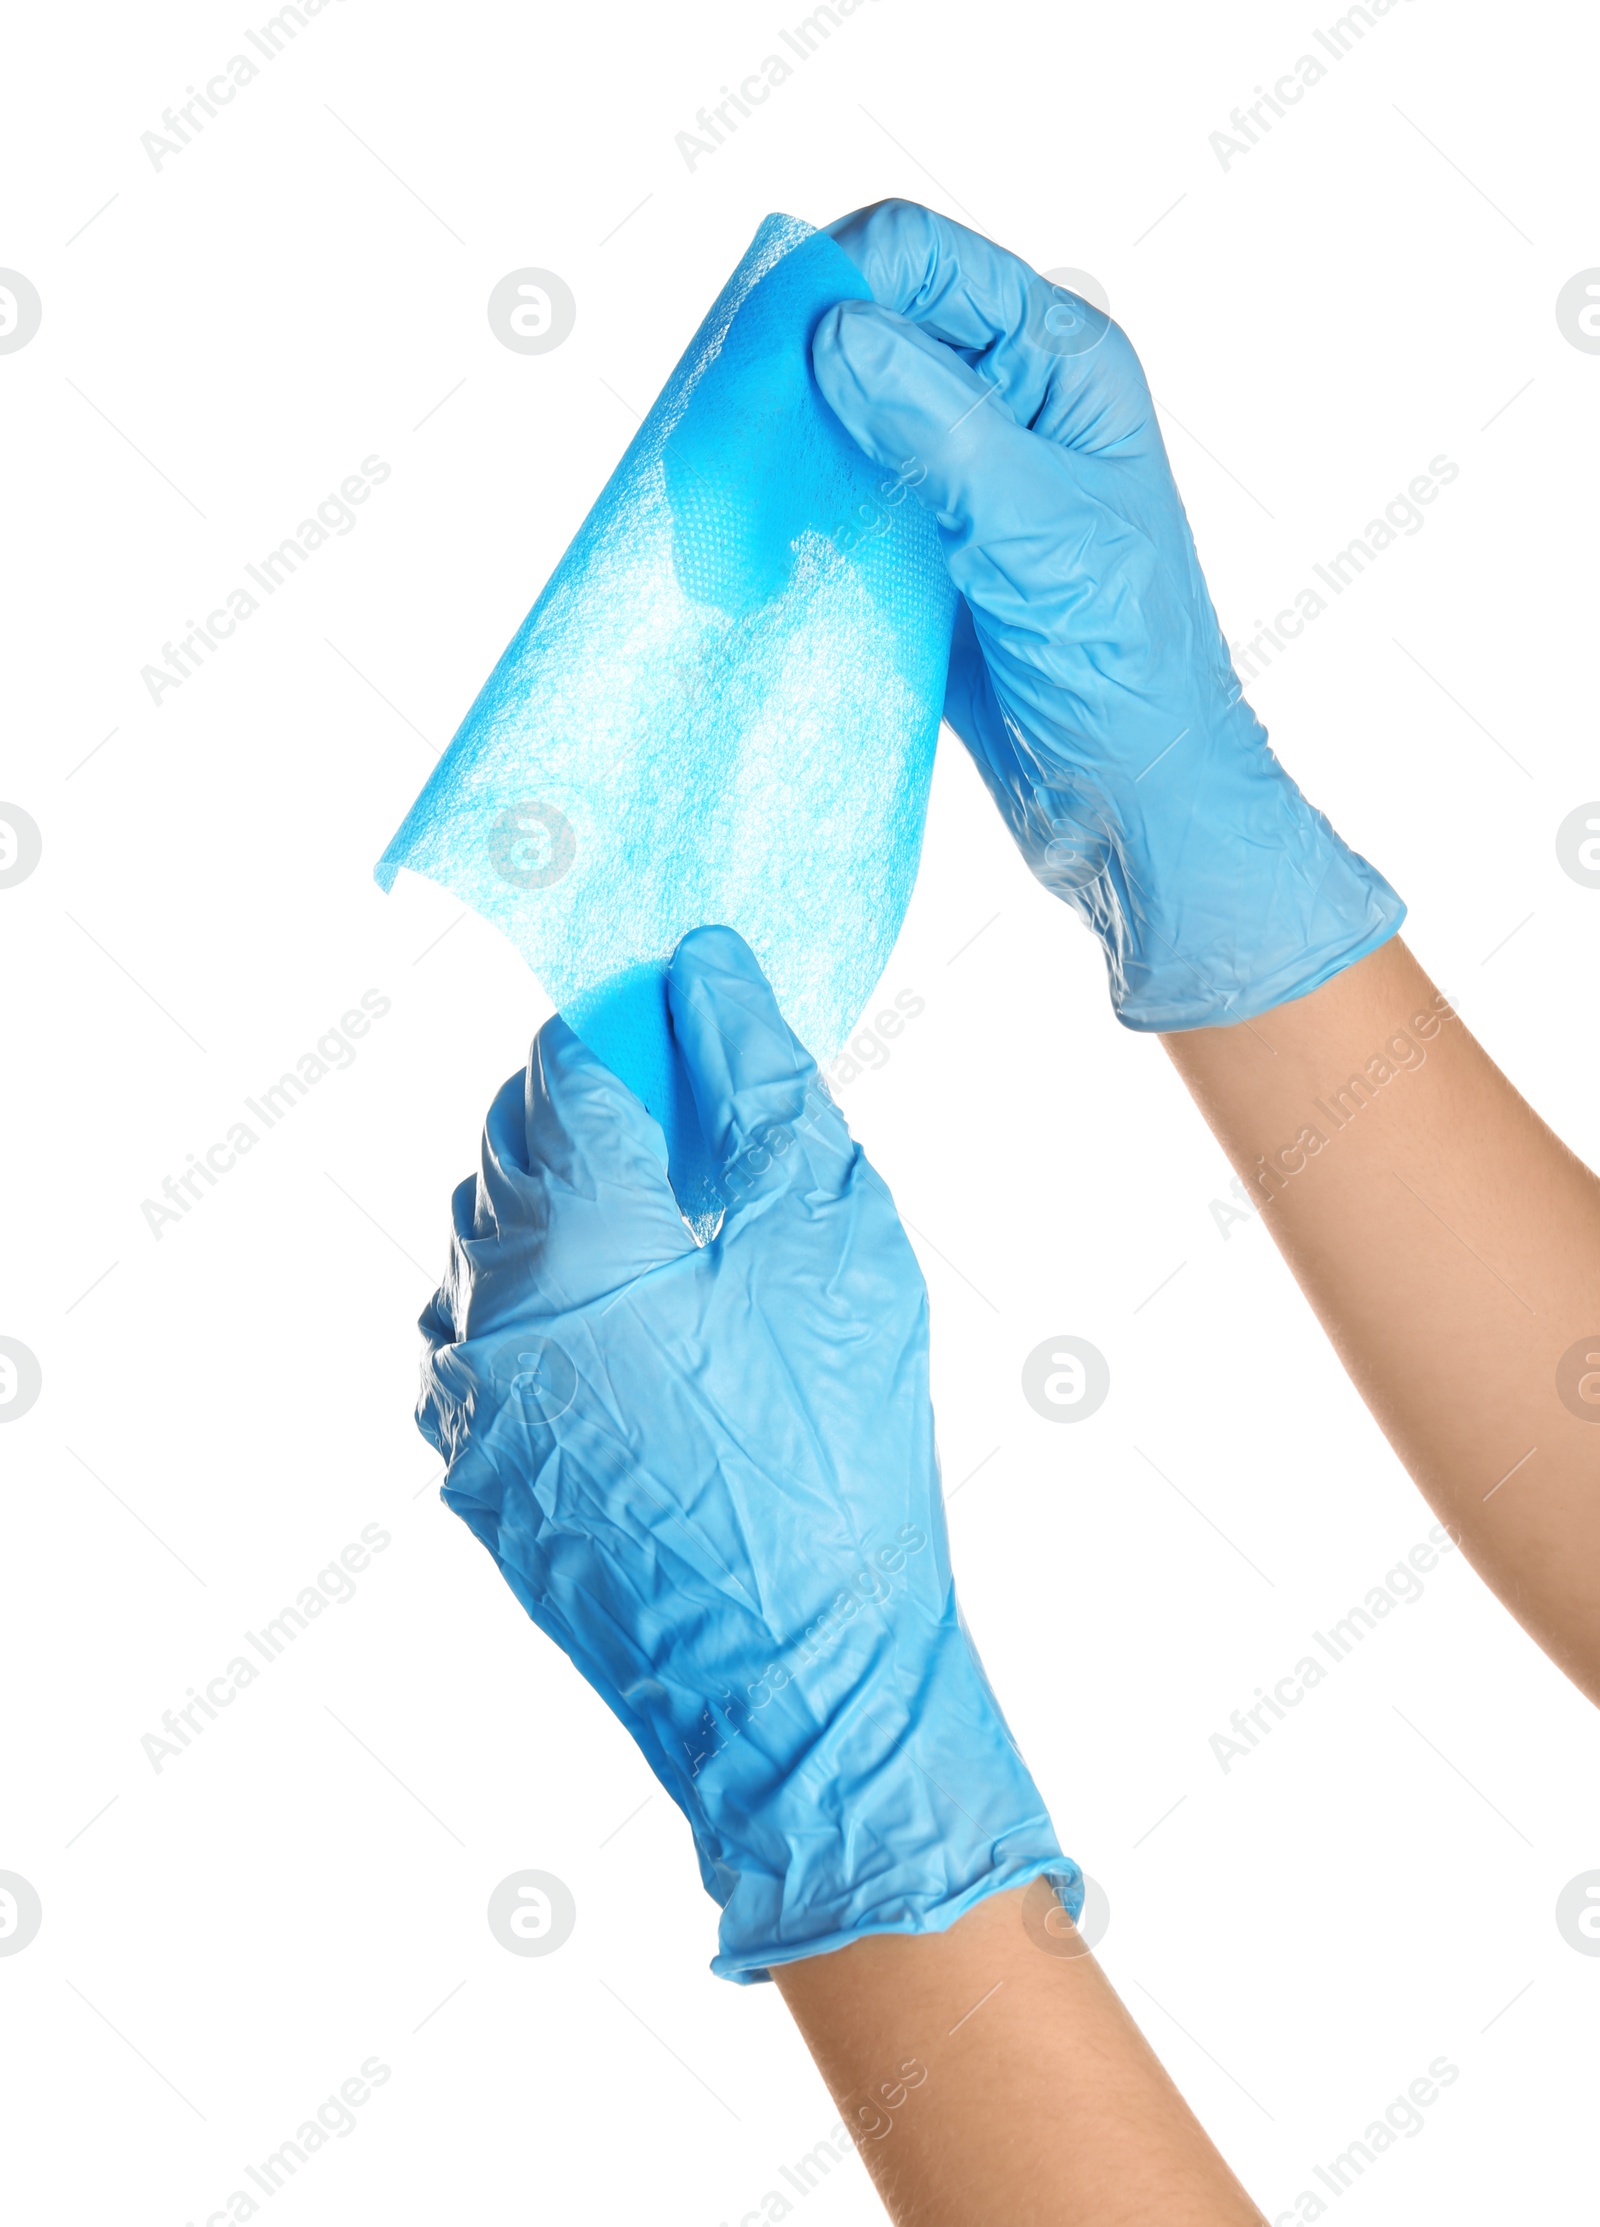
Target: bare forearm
[991,2081]
[1450,1244]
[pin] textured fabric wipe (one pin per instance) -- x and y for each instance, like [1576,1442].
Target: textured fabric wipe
[722,708]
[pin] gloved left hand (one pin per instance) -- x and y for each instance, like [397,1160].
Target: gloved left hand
[708,1473]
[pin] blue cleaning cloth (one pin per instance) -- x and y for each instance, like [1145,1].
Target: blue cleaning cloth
[708,1473]
[723,707]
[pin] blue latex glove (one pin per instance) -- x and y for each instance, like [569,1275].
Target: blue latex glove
[708,1473]
[1089,677]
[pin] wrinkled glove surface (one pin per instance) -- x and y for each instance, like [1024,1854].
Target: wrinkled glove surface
[708,1473]
[1089,676]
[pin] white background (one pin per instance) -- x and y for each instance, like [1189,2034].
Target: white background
[225,1407]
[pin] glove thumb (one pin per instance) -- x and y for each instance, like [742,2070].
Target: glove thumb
[770,1126]
[1002,495]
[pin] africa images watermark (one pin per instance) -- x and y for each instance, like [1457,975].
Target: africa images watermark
[184,121]
[870,2118]
[868,1049]
[335,516]
[818,1115]
[1402,516]
[807,2173]
[333,2120]
[873,515]
[819,1637]
[1401,2121]
[333,1586]
[335,1048]
[1251,125]
[1342,1104]
[1400,1585]
[716,123]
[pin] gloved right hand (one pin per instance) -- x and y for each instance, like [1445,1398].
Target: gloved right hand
[1088,676]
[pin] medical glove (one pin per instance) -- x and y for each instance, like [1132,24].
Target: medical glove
[1089,677]
[708,1473]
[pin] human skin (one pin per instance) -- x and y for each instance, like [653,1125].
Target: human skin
[991,2078]
[1449,1243]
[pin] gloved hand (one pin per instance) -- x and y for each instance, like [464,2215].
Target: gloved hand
[708,1473]
[1089,677]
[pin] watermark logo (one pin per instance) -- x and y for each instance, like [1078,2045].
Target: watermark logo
[868,2116]
[532,1913]
[818,1119]
[1065,1379]
[335,1048]
[184,121]
[726,1717]
[1250,124]
[21,1379]
[335,517]
[1577,845]
[20,311]
[1402,519]
[22,846]
[532,845]
[542,1376]
[333,1586]
[531,311]
[1401,1586]
[1577,310]
[1578,1379]
[868,1048]
[1336,1109]
[1577,1913]
[873,515]
[334,2120]
[1069,312]
[1075,858]
[1402,2121]
[1049,1924]
[20,1913]
[716,123]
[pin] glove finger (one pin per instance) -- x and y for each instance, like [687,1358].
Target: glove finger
[1066,370]
[572,1198]
[755,1085]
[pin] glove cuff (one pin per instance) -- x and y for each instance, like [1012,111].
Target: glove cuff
[1242,901]
[935,1811]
